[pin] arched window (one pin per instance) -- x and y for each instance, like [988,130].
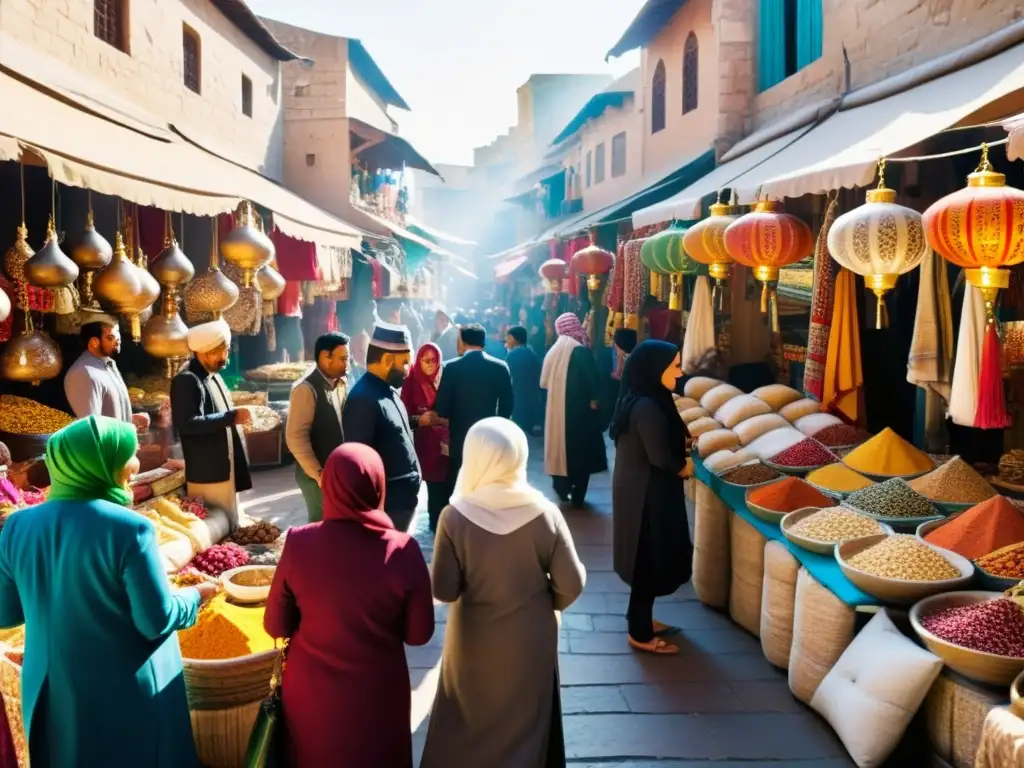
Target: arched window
[658,98]
[690,55]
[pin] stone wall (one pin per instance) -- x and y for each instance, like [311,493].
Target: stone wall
[150,72]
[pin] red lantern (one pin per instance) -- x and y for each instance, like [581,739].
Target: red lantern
[553,270]
[981,228]
[593,262]
[767,239]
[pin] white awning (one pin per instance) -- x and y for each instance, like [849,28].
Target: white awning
[686,204]
[844,150]
[1015,127]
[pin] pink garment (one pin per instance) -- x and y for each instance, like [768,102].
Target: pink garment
[418,395]
[569,325]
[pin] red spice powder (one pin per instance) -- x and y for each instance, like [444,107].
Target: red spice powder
[789,494]
[982,529]
[807,453]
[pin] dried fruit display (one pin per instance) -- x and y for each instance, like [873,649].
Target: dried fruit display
[220,558]
[283,372]
[21,416]
[260,532]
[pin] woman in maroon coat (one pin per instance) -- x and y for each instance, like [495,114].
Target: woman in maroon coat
[348,592]
[430,432]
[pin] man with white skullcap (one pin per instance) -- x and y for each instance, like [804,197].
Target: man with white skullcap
[216,467]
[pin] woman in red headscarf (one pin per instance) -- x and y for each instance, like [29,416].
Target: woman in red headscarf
[430,431]
[349,593]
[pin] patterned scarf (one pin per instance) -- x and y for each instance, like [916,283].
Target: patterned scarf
[569,325]
[822,300]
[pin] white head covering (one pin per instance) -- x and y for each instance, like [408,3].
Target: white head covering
[492,490]
[208,336]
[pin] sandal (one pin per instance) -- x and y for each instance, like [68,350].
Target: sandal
[661,629]
[657,646]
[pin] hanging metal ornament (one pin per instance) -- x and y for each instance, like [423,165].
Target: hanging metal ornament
[31,356]
[172,268]
[121,289]
[165,335]
[50,267]
[270,283]
[705,244]
[92,252]
[5,305]
[210,294]
[246,246]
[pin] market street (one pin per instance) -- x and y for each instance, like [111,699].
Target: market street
[718,700]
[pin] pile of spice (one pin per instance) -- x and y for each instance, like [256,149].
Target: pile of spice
[981,530]
[903,558]
[1007,563]
[807,453]
[995,626]
[893,498]
[787,495]
[840,436]
[219,558]
[888,454]
[835,524]
[225,631]
[751,474]
[838,478]
[956,482]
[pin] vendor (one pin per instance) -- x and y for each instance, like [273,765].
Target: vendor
[216,467]
[93,384]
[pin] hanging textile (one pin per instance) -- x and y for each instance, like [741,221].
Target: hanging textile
[930,363]
[699,338]
[636,283]
[613,296]
[963,396]
[151,231]
[822,298]
[296,259]
[843,375]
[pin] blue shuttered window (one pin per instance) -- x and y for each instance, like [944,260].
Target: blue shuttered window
[771,43]
[789,38]
[808,32]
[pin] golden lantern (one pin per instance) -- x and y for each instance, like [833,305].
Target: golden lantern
[270,283]
[92,252]
[246,246]
[165,335]
[212,292]
[767,239]
[31,356]
[171,268]
[50,267]
[705,244]
[981,229]
[880,241]
[122,288]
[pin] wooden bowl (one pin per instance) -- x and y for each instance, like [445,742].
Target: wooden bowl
[245,594]
[899,591]
[814,545]
[979,666]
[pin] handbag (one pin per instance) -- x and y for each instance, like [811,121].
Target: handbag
[263,750]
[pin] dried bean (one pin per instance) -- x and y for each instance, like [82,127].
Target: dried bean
[751,474]
[893,498]
[995,626]
[835,524]
[904,558]
[807,453]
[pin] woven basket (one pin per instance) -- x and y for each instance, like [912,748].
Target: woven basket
[747,556]
[710,547]
[10,688]
[222,735]
[226,683]
[778,598]
[823,627]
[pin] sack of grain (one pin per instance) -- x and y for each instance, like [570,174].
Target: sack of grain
[777,601]
[698,386]
[813,423]
[823,627]
[716,440]
[691,415]
[750,429]
[715,398]
[723,460]
[746,550]
[777,395]
[800,408]
[685,403]
[698,427]
[710,548]
[774,441]
[740,408]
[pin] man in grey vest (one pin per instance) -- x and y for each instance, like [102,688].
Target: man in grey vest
[314,417]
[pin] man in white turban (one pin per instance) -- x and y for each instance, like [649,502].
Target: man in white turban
[207,422]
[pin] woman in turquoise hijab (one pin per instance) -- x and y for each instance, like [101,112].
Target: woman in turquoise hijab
[102,682]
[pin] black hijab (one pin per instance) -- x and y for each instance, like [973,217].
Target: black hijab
[641,378]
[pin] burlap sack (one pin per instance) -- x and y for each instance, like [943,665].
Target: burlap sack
[710,547]
[823,625]
[777,603]
[955,713]
[747,556]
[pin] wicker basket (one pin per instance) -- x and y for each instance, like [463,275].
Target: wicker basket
[225,683]
[222,735]
[10,687]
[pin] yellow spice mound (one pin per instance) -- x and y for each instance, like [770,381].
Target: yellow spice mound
[888,454]
[836,477]
[225,631]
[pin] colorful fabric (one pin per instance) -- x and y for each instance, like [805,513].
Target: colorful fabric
[963,396]
[614,295]
[569,325]
[843,375]
[85,458]
[634,275]
[822,300]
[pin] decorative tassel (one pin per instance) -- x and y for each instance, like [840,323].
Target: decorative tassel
[991,412]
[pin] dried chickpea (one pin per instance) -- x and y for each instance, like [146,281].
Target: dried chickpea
[835,524]
[904,558]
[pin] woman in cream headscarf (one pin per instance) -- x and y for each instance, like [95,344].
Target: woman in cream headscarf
[505,558]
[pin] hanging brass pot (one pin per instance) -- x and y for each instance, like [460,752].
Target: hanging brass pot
[165,335]
[270,283]
[212,292]
[91,252]
[31,356]
[50,267]
[246,246]
[171,268]
[124,289]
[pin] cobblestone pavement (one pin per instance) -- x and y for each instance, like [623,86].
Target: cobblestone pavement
[718,703]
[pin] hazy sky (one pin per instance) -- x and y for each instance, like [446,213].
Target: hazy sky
[458,63]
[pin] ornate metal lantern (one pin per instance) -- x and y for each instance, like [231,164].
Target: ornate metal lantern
[123,289]
[50,267]
[92,252]
[246,246]
[172,268]
[212,292]
[31,356]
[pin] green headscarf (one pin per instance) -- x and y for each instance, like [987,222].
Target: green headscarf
[85,458]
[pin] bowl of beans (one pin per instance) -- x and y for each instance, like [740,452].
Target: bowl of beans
[902,568]
[819,530]
[978,634]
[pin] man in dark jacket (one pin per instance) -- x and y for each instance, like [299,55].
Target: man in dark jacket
[473,387]
[525,369]
[375,416]
[314,417]
[216,467]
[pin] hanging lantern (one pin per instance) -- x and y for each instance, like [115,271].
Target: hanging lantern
[880,241]
[31,356]
[981,229]
[92,252]
[50,267]
[5,305]
[664,254]
[595,263]
[212,292]
[705,244]
[246,246]
[553,271]
[171,268]
[767,239]
[271,284]
[166,337]
[122,288]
